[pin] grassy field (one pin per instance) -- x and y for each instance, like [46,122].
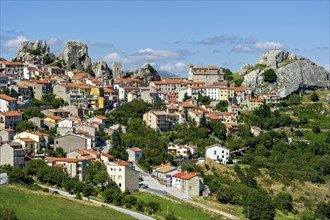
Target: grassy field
[39,205]
[180,209]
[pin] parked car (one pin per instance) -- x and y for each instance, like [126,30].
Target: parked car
[71,192]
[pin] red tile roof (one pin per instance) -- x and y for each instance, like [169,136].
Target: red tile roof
[179,175]
[102,117]
[190,175]
[11,114]
[135,149]
[7,97]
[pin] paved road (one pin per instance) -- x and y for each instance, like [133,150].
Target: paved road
[155,187]
[3,178]
[119,209]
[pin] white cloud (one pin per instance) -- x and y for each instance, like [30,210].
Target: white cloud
[54,42]
[327,67]
[179,67]
[12,44]
[258,46]
[153,57]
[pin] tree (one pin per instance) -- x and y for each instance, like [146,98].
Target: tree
[323,211]
[294,99]
[130,201]
[269,76]
[283,201]
[33,166]
[140,205]
[73,66]
[314,97]
[5,91]
[239,81]
[258,205]
[228,75]
[244,131]
[7,214]
[204,100]
[219,129]
[153,207]
[316,129]
[17,175]
[222,106]
[88,190]
[25,125]
[186,97]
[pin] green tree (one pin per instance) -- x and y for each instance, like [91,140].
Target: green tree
[204,100]
[219,129]
[283,201]
[140,205]
[88,190]
[239,81]
[294,99]
[228,75]
[323,211]
[153,207]
[5,91]
[33,166]
[186,97]
[269,76]
[314,97]
[130,201]
[258,205]
[25,125]
[7,214]
[222,106]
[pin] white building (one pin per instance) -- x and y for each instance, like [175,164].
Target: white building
[134,154]
[7,103]
[217,152]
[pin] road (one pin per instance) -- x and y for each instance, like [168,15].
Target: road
[119,209]
[156,188]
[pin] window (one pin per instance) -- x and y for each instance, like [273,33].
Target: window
[119,169]
[119,177]
[56,142]
[215,152]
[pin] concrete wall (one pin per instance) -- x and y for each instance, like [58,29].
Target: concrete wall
[70,143]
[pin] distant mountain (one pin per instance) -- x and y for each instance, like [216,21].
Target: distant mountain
[166,74]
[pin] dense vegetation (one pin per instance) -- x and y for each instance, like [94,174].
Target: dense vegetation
[269,76]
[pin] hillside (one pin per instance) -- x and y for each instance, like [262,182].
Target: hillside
[40,205]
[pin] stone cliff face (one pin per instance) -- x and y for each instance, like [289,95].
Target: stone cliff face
[294,73]
[75,55]
[101,70]
[146,74]
[37,49]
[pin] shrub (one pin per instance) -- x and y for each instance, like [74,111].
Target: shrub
[316,129]
[283,201]
[7,214]
[314,97]
[269,76]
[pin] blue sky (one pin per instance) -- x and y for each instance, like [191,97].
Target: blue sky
[171,34]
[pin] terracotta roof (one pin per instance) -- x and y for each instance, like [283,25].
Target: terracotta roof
[156,167]
[37,133]
[7,97]
[196,112]
[135,149]
[9,130]
[239,89]
[107,155]
[213,116]
[54,117]
[122,163]
[68,160]
[27,140]
[102,117]
[12,63]
[179,175]
[255,100]
[108,91]
[12,113]
[190,175]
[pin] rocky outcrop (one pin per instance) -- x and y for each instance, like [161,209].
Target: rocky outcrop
[294,73]
[75,56]
[101,70]
[146,74]
[39,50]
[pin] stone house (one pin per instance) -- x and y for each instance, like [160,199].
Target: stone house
[74,167]
[12,154]
[134,154]
[72,142]
[123,174]
[10,119]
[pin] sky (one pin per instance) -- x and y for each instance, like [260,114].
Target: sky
[170,35]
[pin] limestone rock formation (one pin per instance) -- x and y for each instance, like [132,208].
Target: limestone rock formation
[39,50]
[147,73]
[294,73]
[101,70]
[75,56]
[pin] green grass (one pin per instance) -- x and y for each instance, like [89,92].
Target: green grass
[180,209]
[38,205]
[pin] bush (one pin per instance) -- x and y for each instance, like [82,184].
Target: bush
[153,207]
[7,214]
[140,205]
[316,130]
[269,76]
[323,210]
[283,201]
[314,97]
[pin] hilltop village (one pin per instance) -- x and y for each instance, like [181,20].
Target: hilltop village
[72,117]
